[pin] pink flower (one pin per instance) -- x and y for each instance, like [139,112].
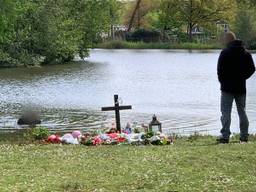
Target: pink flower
[97,141]
[76,134]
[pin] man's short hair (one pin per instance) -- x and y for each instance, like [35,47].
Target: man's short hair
[229,37]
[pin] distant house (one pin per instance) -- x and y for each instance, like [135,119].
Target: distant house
[222,26]
[116,32]
[197,30]
[120,28]
[203,34]
[200,34]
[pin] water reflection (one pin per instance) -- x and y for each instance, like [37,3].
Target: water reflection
[179,86]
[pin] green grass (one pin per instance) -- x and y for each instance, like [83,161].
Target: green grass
[192,164]
[142,45]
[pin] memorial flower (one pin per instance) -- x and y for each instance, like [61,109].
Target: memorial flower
[115,138]
[54,139]
[97,141]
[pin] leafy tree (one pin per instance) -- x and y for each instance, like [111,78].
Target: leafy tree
[141,13]
[7,17]
[92,18]
[245,23]
[168,19]
[196,12]
[49,31]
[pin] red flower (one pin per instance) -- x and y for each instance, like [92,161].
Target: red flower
[121,140]
[54,139]
[97,141]
[113,135]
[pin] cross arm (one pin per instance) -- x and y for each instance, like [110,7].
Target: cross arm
[108,108]
[116,108]
[125,107]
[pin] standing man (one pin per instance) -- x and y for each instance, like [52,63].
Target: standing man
[235,66]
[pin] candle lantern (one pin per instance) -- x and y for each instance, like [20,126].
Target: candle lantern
[155,125]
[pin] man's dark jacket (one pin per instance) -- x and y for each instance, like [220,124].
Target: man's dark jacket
[235,66]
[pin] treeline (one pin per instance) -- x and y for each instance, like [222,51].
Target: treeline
[245,22]
[191,20]
[34,32]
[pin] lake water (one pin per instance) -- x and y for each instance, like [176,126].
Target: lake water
[180,87]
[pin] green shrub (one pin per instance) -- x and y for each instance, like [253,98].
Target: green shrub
[144,36]
[40,133]
[143,45]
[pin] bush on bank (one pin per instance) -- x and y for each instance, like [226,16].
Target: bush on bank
[143,45]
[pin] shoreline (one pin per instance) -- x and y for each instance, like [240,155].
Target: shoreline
[143,45]
[200,48]
[125,45]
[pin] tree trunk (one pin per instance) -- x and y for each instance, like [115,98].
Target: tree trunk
[138,14]
[190,34]
[133,15]
[190,24]
[112,31]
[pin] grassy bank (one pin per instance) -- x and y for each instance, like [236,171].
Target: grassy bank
[142,45]
[191,164]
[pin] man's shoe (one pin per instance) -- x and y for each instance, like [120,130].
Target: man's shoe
[222,140]
[243,140]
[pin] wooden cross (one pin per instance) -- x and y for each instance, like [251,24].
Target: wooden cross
[117,109]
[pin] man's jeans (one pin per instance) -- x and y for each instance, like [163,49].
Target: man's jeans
[226,108]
